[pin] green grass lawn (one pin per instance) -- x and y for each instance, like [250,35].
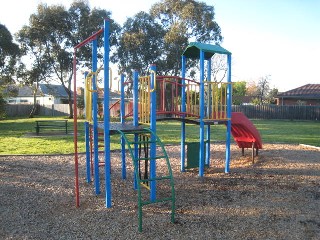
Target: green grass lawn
[14,135]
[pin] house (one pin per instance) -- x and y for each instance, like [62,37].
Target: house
[113,96]
[46,94]
[308,94]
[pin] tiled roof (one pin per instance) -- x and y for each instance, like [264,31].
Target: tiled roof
[310,91]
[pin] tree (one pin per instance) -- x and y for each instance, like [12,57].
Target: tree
[271,97]
[238,90]
[140,44]
[183,21]
[58,30]
[218,67]
[9,54]
[263,88]
[162,35]
[252,89]
[39,69]
[260,90]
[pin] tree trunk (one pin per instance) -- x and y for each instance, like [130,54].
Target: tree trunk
[70,102]
[35,105]
[69,93]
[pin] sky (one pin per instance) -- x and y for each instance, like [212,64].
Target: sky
[276,38]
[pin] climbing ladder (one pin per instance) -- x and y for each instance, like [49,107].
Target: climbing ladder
[164,180]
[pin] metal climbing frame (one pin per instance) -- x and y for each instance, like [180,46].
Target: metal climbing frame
[143,182]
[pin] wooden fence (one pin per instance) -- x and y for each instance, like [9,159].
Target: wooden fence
[252,112]
[279,112]
[17,110]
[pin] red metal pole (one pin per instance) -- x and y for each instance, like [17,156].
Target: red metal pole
[89,39]
[75,129]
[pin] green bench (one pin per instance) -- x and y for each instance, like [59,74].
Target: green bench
[52,124]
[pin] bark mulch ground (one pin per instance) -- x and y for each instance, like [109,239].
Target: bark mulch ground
[277,197]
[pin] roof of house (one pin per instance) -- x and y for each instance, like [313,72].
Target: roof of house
[309,91]
[44,89]
[26,91]
[54,90]
[194,48]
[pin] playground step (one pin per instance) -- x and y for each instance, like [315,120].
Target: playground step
[142,142]
[154,179]
[162,154]
[151,158]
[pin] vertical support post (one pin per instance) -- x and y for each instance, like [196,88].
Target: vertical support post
[201,103]
[75,129]
[88,159]
[153,127]
[87,137]
[106,113]
[135,98]
[209,103]
[122,115]
[95,117]
[135,119]
[229,102]
[183,110]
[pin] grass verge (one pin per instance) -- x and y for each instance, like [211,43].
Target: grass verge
[15,139]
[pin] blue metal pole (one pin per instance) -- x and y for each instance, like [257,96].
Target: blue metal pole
[87,137]
[106,113]
[229,103]
[201,103]
[153,127]
[95,117]
[135,98]
[135,119]
[122,115]
[183,109]
[209,105]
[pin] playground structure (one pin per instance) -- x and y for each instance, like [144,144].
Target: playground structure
[203,102]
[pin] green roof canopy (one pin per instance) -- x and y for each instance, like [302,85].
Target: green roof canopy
[193,50]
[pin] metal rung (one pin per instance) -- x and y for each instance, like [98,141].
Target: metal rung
[154,179]
[143,182]
[142,142]
[150,158]
[136,132]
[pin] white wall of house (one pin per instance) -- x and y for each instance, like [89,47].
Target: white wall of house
[42,100]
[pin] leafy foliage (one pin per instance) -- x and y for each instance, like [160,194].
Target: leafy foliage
[9,54]
[238,90]
[161,36]
[140,44]
[53,31]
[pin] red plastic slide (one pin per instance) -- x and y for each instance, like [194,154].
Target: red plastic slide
[244,132]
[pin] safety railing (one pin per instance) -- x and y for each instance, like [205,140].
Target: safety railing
[169,90]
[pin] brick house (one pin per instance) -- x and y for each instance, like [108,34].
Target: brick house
[308,94]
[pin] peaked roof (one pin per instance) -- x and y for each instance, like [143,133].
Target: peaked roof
[311,91]
[26,91]
[54,90]
[194,48]
[44,89]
